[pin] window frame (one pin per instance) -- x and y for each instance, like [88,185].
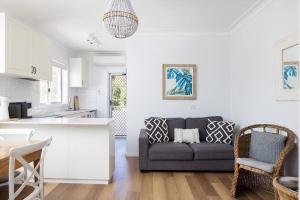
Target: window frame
[49,102]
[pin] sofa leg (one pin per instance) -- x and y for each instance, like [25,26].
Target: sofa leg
[235,181]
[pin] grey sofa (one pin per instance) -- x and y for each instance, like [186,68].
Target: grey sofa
[172,156]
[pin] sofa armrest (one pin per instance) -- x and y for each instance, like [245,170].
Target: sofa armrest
[143,149]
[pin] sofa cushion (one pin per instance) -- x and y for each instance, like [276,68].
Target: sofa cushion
[201,124]
[157,130]
[174,123]
[267,167]
[212,151]
[170,151]
[219,132]
[186,135]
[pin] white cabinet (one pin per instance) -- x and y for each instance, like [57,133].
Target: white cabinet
[78,72]
[41,56]
[79,153]
[17,49]
[24,53]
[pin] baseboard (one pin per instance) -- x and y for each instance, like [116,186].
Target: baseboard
[132,154]
[76,181]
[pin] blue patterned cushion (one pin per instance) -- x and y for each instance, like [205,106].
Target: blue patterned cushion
[266,147]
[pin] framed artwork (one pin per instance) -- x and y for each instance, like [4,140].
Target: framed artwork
[290,72]
[288,69]
[179,82]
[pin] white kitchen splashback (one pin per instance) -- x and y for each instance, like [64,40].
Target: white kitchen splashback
[20,90]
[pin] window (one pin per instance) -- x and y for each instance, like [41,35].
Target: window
[55,91]
[55,85]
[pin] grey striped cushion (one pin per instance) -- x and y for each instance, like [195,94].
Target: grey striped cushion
[266,147]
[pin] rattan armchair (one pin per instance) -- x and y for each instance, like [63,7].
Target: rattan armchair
[252,177]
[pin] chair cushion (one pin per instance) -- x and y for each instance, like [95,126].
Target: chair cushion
[174,123]
[212,151]
[201,124]
[289,182]
[170,151]
[267,167]
[266,147]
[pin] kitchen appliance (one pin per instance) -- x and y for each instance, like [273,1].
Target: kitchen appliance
[14,110]
[4,109]
[19,110]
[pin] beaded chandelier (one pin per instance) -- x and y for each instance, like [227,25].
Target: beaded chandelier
[120,19]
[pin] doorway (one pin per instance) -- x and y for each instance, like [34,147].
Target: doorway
[118,103]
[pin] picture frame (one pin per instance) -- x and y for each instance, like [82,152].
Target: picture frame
[179,82]
[287,67]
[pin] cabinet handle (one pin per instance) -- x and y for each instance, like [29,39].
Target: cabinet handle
[32,69]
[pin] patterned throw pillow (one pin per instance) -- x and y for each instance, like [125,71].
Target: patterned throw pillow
[219,132]
[157,130]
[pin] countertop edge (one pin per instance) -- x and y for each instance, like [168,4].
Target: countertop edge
[60,121]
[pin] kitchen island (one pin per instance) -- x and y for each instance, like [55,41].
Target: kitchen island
[82,150]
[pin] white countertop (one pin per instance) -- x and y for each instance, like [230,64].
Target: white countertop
[61,121]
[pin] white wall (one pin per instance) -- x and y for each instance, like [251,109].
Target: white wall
[18,90]
[253,68]
[145,56]
[96,94]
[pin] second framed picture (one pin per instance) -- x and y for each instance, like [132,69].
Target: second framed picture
[179,82]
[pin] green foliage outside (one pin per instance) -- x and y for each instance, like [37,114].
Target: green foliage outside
[119,96]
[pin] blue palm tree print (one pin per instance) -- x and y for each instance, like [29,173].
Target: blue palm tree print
[289,71]
[183,80]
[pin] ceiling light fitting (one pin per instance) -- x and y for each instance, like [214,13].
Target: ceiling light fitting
[93,41]
[120,19]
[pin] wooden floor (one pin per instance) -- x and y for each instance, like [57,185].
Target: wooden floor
[129,184]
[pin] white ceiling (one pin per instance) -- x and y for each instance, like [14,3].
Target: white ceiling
[71,21]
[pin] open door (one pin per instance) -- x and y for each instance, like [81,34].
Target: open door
[118,103]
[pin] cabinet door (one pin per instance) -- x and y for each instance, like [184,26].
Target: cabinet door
[89,153]
[84,73]
[76,72]
[18,48]
[41,57]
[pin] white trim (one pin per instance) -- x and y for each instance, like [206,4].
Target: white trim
[249,14]
[76,181]
[132,154]
[59,64]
